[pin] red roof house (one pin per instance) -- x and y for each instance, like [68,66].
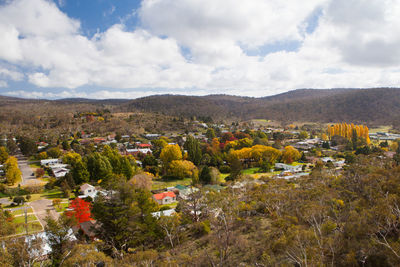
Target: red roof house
[165,197]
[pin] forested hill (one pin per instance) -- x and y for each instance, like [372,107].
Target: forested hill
[377,106]
[381,105]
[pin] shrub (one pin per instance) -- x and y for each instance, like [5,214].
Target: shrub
[225,169]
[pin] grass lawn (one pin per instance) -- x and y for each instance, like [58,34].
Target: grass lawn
[384,128]
[53,193]
[32,227]
[21,219]
[171,206]
[160,184]
[34,165]
[20,211]
[63,207]
[251,171]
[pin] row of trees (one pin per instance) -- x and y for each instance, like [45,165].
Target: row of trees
[349,131]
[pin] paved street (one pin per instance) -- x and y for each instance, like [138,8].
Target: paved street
[27,178]
[42,208]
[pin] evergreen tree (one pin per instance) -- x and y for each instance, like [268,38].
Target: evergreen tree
[205,175]
[192,146]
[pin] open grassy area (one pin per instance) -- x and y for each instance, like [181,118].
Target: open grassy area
[251,171]
[34,164]
[62,208]
[160,184]
[32,227]
[53,193]
[21,219]
[20,211]
[384,128]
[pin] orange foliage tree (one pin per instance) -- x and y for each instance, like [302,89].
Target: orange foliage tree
[80,209]
[347,131]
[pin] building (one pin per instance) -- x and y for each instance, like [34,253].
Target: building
[158,214]
[165,197]
[88,190]
[287,167]
[49,162]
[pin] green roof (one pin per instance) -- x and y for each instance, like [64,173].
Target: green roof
[181,187]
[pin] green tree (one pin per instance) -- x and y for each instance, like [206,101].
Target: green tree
[27,146]
[60,237]
[54,152]
[125,219]
[12,146]
[87,255]
[210,134]
[99,167]
[192,145]
[66,145]
[205,175]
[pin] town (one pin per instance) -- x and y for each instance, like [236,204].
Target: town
[74,182]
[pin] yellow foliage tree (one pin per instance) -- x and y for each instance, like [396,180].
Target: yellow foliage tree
[170,153]
[13,173]
[290,154]
[183,169]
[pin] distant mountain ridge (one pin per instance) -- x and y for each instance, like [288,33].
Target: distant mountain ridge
[376,105]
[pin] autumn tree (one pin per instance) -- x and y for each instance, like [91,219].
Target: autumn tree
[3,154]
[183,169]
[170,153]
[290,154]
[54,152]
[142,180]
[13,173]
[80,209]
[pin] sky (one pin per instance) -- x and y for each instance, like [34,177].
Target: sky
[130,48]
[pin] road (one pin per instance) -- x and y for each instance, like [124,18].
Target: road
[27,178]
[42,208]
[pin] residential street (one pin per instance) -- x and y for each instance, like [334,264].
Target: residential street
[27,177]
[42,208]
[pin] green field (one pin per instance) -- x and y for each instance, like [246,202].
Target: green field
[20,211]
[32,227]
[53,193]
[63,207]
[160,184]
[21,219]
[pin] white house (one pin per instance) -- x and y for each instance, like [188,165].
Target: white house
[88,190]
[49,162]
[286,167]
[158,214]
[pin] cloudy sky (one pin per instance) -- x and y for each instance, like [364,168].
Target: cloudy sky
[131,48]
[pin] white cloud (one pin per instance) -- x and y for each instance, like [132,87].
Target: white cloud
[356,44]
[3,83]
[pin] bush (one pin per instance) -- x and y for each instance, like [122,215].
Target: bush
[34,189]
[19,200]
[39,172]
[165,208]
[225,169]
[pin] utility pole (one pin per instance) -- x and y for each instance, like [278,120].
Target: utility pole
[26,220]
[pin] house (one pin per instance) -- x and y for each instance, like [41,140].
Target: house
[137,151]
[291,168]
[59,172]
[158,214]
[88,190]
[185,191]
[165,197]
[152,136]
[88,228]
[49,162]
[144,145]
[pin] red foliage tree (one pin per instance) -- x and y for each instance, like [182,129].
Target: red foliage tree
[80,209]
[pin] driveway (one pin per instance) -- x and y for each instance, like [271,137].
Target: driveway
[27,178]
[42,208]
